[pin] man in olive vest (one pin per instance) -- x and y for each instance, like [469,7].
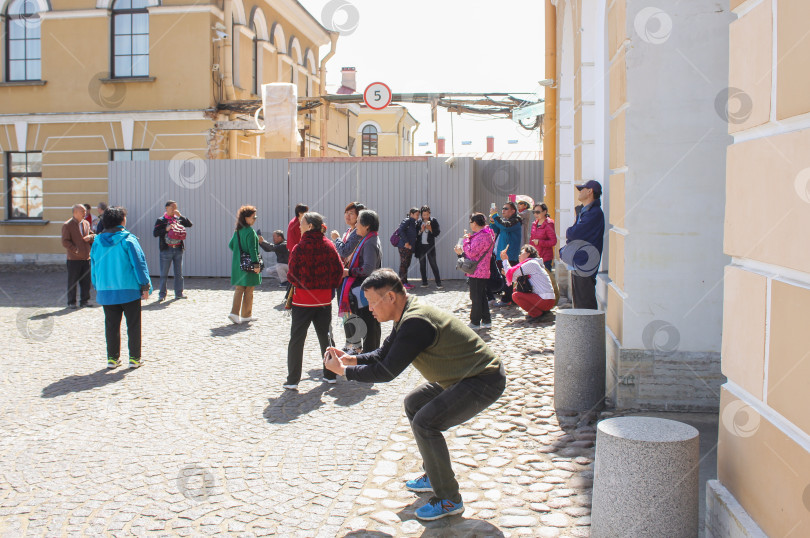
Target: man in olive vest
[463,375]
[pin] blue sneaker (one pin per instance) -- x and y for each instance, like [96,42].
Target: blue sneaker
[420,484]
[438,508]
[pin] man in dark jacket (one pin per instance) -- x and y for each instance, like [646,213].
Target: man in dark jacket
[406,245]
[583,250]
[428,231]
[279,246]
[77,238]
[171,250]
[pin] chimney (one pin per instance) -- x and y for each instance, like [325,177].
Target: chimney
[490,144]
[440,149]
[349,80]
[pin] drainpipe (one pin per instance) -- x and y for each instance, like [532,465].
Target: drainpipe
[333,36]
[227,62]
[400,142]
[550,115]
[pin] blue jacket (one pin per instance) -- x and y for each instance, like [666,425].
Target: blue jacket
[589,226]
[510,234]
[407,233]
[118,267]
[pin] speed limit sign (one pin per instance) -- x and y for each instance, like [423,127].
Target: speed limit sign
[377,95]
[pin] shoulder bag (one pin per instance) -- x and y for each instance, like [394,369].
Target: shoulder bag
[246,263]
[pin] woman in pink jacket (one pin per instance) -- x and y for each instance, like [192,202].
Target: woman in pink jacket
[478,246]
[543,237]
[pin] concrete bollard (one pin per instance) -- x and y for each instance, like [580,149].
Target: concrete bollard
[645,479]
[579,360]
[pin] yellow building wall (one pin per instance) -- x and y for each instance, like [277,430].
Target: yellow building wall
[763,455]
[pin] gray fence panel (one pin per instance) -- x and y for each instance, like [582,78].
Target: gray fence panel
[391,189]
[211,203]
[326,187]
[496,180]
[450,197]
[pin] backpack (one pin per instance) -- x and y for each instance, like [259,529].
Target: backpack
[176,233]
[395,238]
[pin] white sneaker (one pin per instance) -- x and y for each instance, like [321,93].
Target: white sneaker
[250,318]
[486,325]
[290,387]
[331,381]
[473,326]
[234,318]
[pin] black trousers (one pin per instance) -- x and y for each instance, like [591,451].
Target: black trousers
[427,253]
[479,307]
[78,273]
[584,288]
[363,330]
[302,316]
[432,410]
[112,328]
[507,291]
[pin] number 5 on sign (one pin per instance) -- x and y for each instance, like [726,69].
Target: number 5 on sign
[377,96]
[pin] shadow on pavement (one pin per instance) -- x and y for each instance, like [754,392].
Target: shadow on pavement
[368,534]
[56,313]
[80,383]
[348,393]
[292,404]
[230,329]
[451,526]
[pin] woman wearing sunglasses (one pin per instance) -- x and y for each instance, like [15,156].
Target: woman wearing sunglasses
[543,235]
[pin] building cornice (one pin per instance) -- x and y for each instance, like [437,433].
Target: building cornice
[93,117]
[303,21]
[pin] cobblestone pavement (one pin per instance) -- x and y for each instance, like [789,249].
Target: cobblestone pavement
[202,440]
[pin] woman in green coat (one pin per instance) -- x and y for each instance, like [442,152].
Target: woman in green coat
[243,280]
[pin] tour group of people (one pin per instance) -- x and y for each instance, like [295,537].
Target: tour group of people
[463,375]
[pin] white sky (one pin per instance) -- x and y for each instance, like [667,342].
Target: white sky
[444,45]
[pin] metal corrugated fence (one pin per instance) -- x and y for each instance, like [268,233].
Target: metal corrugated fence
[211,192]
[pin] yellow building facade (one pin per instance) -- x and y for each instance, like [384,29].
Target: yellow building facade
[638,90]
[89,81]
[386,133]
[764,445]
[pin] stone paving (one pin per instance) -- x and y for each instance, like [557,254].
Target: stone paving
[202,440]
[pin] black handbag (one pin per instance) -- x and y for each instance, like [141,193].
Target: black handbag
[522,283]
[246,263]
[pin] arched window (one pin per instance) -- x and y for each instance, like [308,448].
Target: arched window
[254,87]
[130,34]
[24,58]
[369,140]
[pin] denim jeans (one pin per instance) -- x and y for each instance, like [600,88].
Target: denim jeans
[166,258]
[432,410]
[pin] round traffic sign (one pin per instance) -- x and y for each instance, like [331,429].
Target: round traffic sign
[377,95]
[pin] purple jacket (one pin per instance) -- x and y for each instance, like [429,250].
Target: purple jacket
[480,244]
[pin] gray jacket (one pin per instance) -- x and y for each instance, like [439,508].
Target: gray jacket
[370,258]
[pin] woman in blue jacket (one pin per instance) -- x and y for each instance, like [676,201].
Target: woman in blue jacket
[510,233]
[121,278]
[407,244]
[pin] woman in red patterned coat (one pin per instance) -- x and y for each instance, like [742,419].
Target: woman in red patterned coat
[315,270]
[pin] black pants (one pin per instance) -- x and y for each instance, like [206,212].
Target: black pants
[112,328]
[428,254]
[507,291]
[78,273]
[362,330]
[584,288]
[302,316]
[479,307]
[432,410]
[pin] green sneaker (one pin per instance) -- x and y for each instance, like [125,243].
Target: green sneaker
[113,363]
[134,362]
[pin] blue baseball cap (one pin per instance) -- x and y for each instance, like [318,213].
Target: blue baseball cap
[592,184]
